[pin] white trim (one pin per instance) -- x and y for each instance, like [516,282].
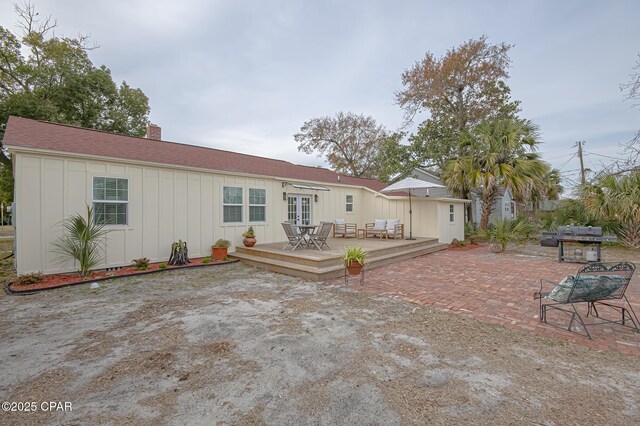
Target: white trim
[94,201]
[249,205]
[241,205]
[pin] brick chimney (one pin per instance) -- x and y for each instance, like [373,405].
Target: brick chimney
[154,132]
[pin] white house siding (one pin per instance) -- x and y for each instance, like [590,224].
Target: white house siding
[448,230]
[167,204]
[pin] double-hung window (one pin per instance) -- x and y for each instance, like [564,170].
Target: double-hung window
[451,213]
[349,205]
[232,204]
[110,200]
[257,205]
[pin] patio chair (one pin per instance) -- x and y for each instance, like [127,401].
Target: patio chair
[295,239]
[319,239]
[344,229]
[395,229]
[376,229]
[597,285]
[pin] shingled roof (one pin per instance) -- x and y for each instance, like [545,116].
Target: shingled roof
[27,133]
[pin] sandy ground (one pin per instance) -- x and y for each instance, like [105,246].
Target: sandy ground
[234,345]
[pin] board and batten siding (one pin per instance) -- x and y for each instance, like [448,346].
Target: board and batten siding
[165,205]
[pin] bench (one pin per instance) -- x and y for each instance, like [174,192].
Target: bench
[598,285]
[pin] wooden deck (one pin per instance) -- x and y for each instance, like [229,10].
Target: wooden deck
[316,265]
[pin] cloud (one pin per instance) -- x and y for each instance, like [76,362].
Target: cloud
[245,75]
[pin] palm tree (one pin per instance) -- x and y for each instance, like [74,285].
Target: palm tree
[501,155]
[617,198]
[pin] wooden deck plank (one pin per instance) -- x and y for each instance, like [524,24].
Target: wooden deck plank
[319,265]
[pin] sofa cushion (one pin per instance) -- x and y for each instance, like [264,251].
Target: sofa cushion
[340,221]
[379,225]
[586,287]
[391,225]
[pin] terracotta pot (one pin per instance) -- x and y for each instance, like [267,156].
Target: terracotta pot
[249,241]
[354,268]
[219,253]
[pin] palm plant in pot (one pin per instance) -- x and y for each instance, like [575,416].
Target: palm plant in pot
[249,238]
[354,259]
[219,249]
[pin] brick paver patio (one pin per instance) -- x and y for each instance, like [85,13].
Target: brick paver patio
[496,288]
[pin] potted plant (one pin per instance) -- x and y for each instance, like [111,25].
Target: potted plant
[219,249]
[354,259]
[249,238]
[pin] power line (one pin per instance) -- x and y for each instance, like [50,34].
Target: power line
[567,162]
[605,156]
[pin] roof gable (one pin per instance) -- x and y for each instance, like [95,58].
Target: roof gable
[62,138]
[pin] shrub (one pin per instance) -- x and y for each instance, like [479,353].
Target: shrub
[206,260]
[355,254]
[504,231]
[32,278]
[141,264]
[469,229]
[82,242]
[162,266]
[222,243]
[457,243]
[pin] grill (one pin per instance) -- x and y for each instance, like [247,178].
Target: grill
[591,235]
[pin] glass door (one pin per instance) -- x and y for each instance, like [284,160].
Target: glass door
[299,209]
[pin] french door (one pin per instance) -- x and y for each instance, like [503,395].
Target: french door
[299,209]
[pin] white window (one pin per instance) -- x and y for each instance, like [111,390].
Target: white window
[110,200]
[349,203]
[451,213]
[232,204]
[257,205]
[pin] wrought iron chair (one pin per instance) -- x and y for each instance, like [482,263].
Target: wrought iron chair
[319,239]
[295,239]
[596,284]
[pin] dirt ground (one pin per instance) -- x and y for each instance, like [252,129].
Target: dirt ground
[235,345]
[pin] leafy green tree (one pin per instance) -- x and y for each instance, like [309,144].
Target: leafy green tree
[616,198]
[350,142]
[501,155]
[459,90]
[47,77]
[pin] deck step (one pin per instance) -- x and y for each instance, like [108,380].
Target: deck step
[326,269]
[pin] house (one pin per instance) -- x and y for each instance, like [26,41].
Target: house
[151,193]
[428,176]
[504,207]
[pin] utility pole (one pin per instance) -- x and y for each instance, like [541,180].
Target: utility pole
[582,179]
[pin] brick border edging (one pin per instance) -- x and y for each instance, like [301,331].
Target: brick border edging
[10,292]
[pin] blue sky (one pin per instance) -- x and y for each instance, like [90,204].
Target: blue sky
[245,75]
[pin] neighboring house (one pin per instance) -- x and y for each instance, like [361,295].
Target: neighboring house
[503,208]
[151,193]
[427,176]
